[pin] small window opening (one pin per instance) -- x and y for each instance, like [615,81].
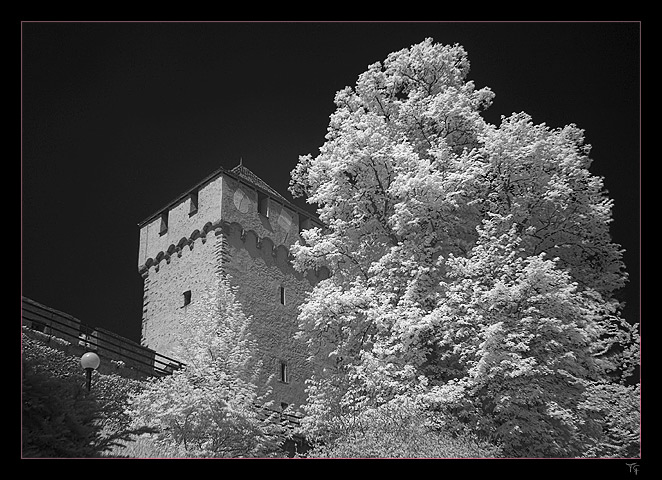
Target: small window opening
[164,223]
[284,374]
[193,197]
[283,406]
[304,223]
[263,204]
[282,295]
[187,297]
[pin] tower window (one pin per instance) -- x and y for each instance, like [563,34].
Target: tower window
[263,204]
[284,373]
[304,223]
[187,297]
[164,223]
[282,295]
[193,197]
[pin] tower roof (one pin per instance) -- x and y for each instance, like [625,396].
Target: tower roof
[250,177]
[241,173]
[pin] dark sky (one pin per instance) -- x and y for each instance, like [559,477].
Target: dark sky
[120,118]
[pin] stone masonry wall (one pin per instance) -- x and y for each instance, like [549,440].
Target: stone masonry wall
[260,271]
[259,238]
[193,268]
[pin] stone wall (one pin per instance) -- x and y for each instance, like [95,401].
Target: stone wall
[270,291]
[192,268]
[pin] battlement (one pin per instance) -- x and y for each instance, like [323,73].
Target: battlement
[236,195]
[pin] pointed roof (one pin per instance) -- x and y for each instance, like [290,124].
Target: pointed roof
[250,177]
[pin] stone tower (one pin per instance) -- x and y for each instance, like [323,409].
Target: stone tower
[231,223]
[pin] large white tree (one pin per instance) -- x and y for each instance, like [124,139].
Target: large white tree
[472,265]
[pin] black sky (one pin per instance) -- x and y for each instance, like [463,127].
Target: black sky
[118,118]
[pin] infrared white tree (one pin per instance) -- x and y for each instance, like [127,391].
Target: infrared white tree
[472,265]
[211,407]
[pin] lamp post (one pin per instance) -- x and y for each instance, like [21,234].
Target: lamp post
[90,361]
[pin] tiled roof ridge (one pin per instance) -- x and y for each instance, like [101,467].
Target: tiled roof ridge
[248,175]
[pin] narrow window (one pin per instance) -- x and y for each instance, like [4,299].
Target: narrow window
[284,374]
[187,297]
[164,223]
[263,204]
[193,197]
[282,295]
[304,223]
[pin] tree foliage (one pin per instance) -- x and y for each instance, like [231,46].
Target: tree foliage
[471,264]
[211,407]
[397,429]
[60,419]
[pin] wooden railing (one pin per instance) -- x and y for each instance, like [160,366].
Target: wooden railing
[106,344]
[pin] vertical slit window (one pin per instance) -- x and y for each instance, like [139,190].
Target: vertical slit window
[282,295]
[284,374]
[187,297]
[164,223]
[304,223]
[193,197]
[263,204]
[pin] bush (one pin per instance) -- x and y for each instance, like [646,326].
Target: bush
[398,431]
[60,419]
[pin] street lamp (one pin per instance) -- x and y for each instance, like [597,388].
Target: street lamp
[90,361]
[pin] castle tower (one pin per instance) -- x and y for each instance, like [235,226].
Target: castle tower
[231,223]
